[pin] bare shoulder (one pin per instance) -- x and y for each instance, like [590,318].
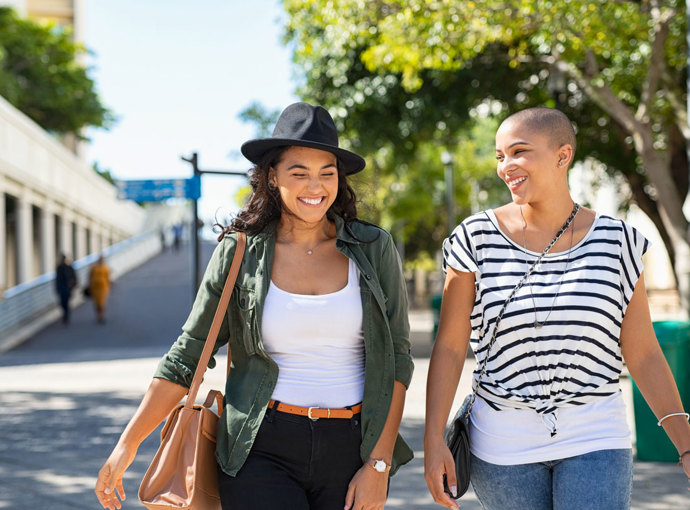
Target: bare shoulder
[505,215]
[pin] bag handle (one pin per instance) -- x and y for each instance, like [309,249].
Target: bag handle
[217,321]
[517,287]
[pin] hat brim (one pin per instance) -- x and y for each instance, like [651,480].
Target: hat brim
[254,150]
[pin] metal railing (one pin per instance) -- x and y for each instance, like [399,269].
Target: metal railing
[28,301]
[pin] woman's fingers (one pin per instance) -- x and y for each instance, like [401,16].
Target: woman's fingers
[120,490]
[438,468]
[350,496]
[104,492]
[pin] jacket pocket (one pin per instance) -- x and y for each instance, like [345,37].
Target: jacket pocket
[246,324]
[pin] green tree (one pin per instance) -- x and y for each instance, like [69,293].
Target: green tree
[261,117]
[617,68]
[402,133]
[103,172]
[41,76]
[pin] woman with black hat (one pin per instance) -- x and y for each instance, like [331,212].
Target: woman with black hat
[318,329]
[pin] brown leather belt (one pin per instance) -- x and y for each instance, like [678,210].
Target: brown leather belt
[315,413]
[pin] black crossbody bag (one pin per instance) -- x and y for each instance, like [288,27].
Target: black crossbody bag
[458,434]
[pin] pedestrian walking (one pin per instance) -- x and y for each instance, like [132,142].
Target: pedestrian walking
[548,427]
[177,236]
[99,287]
[65,281]
[319,335]
[161,235]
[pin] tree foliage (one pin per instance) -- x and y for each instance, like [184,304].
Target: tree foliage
[261,117]
[40,75]
[401,132]
[420,66]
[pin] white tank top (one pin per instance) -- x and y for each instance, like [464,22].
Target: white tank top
[318,344]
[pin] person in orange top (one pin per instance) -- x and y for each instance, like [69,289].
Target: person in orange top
[99,287]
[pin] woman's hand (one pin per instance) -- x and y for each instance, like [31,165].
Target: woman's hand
[110,477]
[438,461]
[367,490]
[686,467]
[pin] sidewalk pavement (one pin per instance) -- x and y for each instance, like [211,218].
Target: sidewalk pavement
[68,392]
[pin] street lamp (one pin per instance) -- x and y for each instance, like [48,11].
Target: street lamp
[447,160]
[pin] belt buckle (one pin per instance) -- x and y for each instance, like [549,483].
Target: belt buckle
[312,418]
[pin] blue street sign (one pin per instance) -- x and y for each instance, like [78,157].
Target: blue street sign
[154,190]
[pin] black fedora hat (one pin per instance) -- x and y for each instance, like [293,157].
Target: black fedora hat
[304,125]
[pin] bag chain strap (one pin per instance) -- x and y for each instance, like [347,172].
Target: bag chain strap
[519,285]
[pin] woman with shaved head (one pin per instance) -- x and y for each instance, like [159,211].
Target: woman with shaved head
[551,298]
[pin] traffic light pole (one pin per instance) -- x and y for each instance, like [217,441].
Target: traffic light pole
[196,246]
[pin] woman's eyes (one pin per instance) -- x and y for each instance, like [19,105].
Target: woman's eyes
[303,174]
[501,157]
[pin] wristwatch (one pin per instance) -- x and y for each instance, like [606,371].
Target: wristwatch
[379,465]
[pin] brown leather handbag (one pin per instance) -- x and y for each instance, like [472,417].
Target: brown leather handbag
[183,474]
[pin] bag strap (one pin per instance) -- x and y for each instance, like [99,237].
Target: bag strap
[217,321]
[517,287]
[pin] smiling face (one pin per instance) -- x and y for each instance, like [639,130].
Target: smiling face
[307,180]
[530,163]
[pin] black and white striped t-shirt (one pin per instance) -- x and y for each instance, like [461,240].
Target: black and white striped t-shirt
[576,356]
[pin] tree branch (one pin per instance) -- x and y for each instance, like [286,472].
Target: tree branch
[657,63]
[680,113]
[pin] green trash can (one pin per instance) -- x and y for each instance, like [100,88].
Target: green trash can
[652,442]
[435,303]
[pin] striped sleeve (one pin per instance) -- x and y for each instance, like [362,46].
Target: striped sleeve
[634,245]
[458,251]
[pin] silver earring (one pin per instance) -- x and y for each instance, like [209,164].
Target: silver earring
[560,163]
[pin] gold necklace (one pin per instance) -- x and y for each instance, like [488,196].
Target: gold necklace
[539,324]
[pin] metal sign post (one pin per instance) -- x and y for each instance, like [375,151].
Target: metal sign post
[154,190]
[196,248]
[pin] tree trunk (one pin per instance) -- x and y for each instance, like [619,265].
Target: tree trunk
[675,223]
[651,209]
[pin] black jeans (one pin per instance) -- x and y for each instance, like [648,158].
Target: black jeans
[295,463]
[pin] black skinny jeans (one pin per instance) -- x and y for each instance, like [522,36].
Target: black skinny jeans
[295,463]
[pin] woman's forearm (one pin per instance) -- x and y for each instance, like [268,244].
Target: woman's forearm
[445,368]
[649,369]
[160,398]
[384,446]
[653,377]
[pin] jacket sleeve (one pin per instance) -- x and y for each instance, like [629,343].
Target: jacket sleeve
[179,364]
[393,285]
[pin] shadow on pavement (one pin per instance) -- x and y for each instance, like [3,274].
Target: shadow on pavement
[54,444]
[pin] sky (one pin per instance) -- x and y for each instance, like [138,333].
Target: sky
[177,74]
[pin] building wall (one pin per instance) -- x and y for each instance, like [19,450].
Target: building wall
[51,201]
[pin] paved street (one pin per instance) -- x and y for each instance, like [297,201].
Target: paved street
[67,393]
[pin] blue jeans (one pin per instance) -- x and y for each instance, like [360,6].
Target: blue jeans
[600,480]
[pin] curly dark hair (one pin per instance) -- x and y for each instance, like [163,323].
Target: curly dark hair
[264,204]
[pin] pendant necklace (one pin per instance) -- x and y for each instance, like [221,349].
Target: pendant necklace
[539,324]
[310,251]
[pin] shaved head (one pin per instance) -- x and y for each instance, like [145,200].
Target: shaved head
[549,122]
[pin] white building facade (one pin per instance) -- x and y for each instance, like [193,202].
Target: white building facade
[51,202]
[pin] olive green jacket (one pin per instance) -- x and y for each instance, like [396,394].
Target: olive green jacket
[254,374]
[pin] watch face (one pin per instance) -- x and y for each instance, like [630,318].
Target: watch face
[380,466]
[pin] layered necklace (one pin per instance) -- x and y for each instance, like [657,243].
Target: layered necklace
[537,323]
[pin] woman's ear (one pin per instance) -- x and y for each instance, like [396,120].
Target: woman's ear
[272,178]
[565,155]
